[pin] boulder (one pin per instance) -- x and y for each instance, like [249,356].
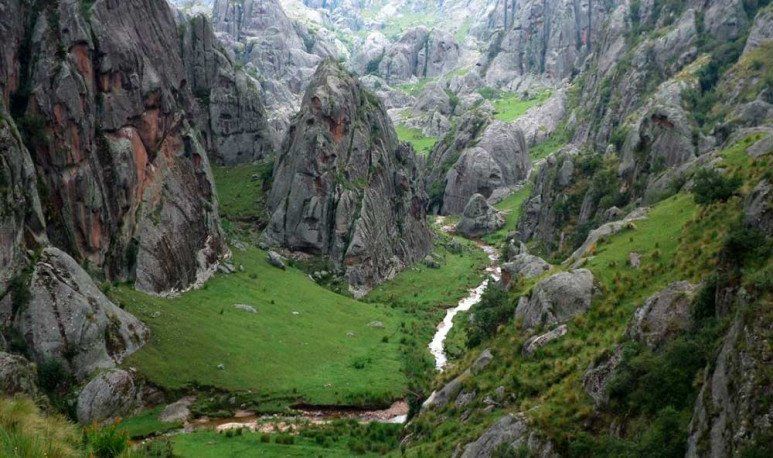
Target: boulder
[17,375]
[522,266]
[758,208]
[450,391]
[597,376]
[500,159]
[664,315]
[514,431]
[556,299]
[109,395]
[345,188]
[534,343]
[177,411]
[479,218]
[70,320]
[276,259]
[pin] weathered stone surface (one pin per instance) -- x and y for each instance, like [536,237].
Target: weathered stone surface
[450,391]
[70,320]
[758,208]
[499,160]
[275,259]
[17,375]
[130,189]
[110,394]
[21,215]
[343,186]
[761,30]
[479,218]
[177,411]
[534,343]
[539,122]
[597,377]
[728,415]
[281,51]
[514,430]
[419,53]
[233,117]
[664,315]
[522,266]
[557,299]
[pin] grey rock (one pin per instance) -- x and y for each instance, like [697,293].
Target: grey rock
[17,375]
[557,299]
[500,159]
[110,394]
[345,188]
[479,218]
[534,343]
[761,147]
[70,320]
[522,266]
[599,374]
[634,259]
[728,416]
[761,30]
[483,360]
[758,208]
[177,411]
[539,122]
[511,429]
[664,315]
[376,325]
[246,308]
[446,394]
[419,53]
[276,259]
[464,398]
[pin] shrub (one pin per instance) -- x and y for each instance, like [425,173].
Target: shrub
[711,186]
[494,309]
[52,375]
[106,442]
[741,244]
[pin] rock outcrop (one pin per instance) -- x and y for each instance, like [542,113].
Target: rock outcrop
[664,315]
[599,374]
[70,320]
[110,394]
[522,266]
[606,230]
[500,159]
[234,120]
[281,51]
[419,53]
[17,375]
[534,343]
[107,114]
[728,416]
[512,431]
[344,187]
[556,299]
[479,218]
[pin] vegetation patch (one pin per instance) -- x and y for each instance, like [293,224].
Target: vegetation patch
[421,143]
[299,346]
[510,106]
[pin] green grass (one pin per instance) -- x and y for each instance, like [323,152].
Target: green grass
[206,444]
[455,344]
[424,287]
[26,431]
[420,142]
[279,355]
[415,88]
[240,197]
[511,206]
[146,423]
[510,106]
[550,145]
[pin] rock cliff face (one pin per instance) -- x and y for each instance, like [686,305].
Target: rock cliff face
[103,101]
[233,119]
[283,53]
[421,53]
[343,186]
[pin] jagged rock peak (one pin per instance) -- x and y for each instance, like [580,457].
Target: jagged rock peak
[343,185]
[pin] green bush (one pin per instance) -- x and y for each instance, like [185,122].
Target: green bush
[494,309]
[106,442]
[52,375]
[711,186]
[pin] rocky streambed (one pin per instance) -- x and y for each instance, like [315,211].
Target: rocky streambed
[494,272]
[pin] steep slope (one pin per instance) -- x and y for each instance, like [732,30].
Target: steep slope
[343,186]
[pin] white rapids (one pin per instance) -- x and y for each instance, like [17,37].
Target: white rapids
[436,347]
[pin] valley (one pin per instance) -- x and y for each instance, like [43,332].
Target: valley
[462,228]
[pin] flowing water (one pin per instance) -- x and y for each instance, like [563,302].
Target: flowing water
[436,347]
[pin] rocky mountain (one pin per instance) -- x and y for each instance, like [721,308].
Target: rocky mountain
[110,115]
[344,187]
